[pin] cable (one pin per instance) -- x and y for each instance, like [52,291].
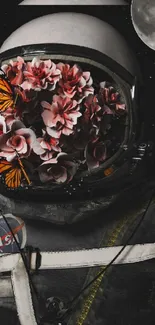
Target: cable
[33,288]
[70,308]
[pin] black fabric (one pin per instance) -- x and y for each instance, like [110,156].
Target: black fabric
[128,291]
[126,294]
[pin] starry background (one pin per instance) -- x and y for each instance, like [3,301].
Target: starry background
[119,17]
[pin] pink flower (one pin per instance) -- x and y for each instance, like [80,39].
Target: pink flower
[93,110]
[10,116]
[3,127]
[14,71]
[110,99]
[49,145]
[60,116]
[40,75]
[95,153]
[57,170]
[19,140]
[74,82]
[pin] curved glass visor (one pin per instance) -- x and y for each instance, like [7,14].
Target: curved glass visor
[85,108]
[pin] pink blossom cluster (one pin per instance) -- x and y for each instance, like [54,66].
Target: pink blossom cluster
[58,122]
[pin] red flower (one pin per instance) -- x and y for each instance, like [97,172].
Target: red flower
[95,153]
[14,71]
[74,82]
[40,75]
[49,145]
[92,110]
[57,170]
[60,116]
[110,99]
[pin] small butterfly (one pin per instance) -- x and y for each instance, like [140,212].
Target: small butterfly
[13,173]
[9,93]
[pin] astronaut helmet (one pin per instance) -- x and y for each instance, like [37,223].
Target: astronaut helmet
[73,127]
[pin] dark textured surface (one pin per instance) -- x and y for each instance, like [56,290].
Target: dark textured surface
[129,290]
[127,294]
[61,213]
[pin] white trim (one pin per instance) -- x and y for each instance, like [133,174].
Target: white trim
[83,258]
[22,294]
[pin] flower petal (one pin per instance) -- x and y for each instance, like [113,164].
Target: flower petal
[45,104]
[62,176]
[3,140]
[8,155]
[37,148]
[66,131]
[48,118]
[53,133]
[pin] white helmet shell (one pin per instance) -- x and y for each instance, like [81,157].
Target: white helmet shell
[75,29]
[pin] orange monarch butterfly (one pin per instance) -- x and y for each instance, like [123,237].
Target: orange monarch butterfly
[8,97]
[12,173]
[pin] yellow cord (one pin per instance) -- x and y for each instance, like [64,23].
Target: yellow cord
[95,287]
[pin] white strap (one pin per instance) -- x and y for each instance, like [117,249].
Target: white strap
[22,294]
[83,258]
[8,262]
[95,257]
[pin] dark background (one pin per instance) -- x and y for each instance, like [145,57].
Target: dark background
[118,16]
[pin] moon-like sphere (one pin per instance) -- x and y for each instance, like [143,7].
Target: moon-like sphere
[143,18]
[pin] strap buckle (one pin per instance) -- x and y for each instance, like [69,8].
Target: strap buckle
[28,250]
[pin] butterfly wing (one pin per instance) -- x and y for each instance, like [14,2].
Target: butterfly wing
[6,94]
[5,166]
[12,175]
[13,178]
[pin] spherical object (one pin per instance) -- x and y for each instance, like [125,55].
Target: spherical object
[143,18]
[7,242]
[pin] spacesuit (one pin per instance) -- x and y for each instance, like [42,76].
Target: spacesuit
[78,236]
